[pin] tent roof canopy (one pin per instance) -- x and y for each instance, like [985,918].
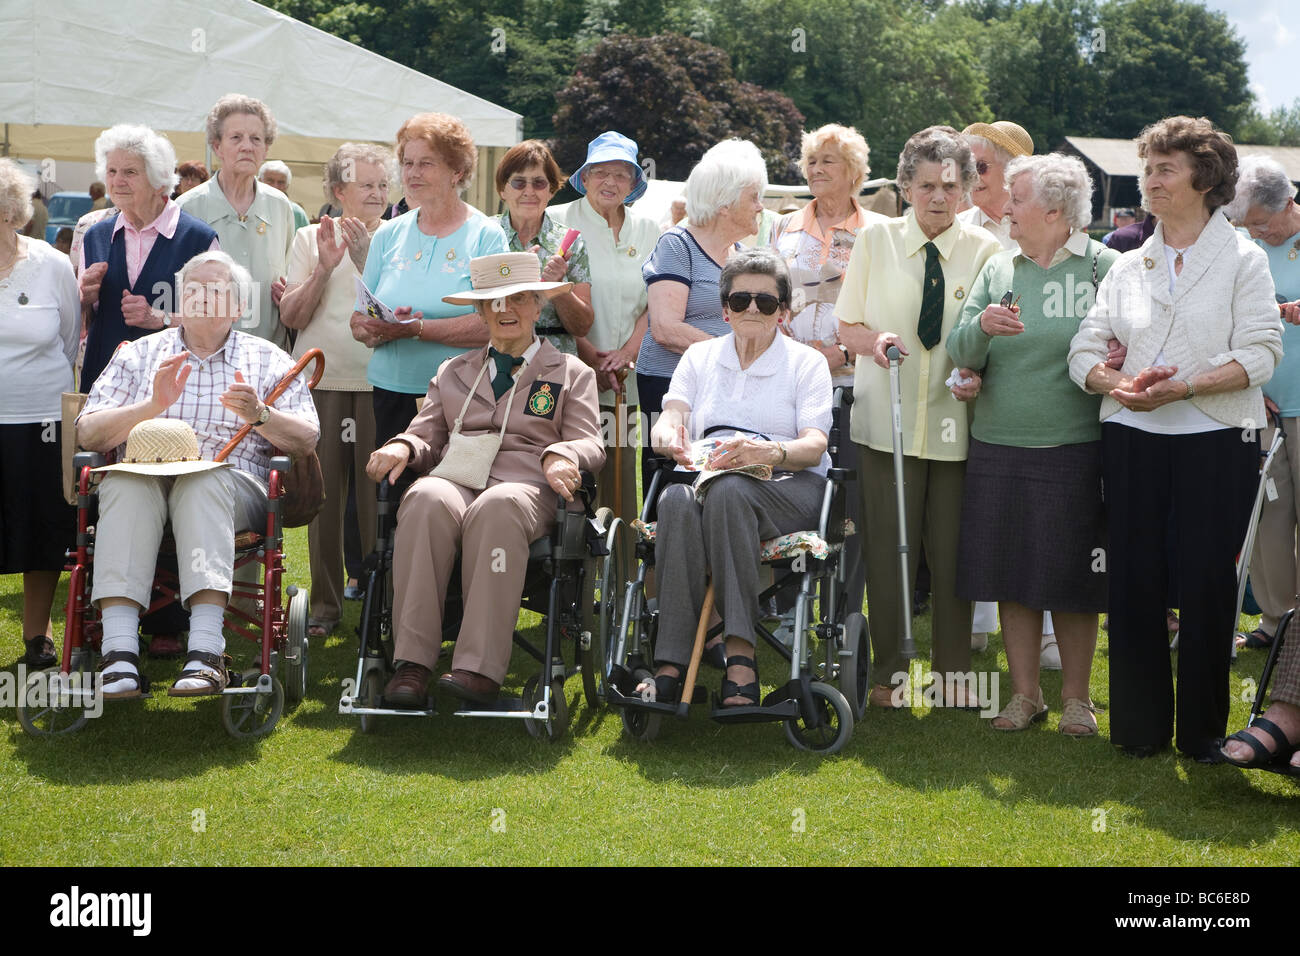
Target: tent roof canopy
[163,63]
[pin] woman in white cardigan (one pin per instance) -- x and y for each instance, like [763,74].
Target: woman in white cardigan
[1194,307]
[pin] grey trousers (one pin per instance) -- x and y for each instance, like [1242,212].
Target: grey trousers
[722,537]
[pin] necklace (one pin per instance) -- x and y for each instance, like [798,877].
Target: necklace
[1178,257]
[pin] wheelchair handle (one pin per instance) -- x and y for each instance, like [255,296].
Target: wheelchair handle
[310,355]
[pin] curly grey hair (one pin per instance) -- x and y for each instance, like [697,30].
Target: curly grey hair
[1059,182]
[338,169]
[154,150]
[16,188]
[238,103]
[936,144]
[1261,181]
[762,262]
[721,175]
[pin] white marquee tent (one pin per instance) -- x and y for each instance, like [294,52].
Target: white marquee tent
[71,68]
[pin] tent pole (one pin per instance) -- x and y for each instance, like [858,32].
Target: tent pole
[4,147]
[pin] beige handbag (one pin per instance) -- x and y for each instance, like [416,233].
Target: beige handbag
[468,460]
[71,405]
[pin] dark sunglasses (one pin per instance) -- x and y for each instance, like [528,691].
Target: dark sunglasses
[520,183]
[766,302]
[981,167]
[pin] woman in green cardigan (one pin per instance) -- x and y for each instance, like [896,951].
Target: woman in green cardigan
[1032,526]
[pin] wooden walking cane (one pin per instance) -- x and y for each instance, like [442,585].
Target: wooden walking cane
[693,669]
[304,489]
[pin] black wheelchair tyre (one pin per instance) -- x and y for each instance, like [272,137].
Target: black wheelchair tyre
[835,724]
[855,663]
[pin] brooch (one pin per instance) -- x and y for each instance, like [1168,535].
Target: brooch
[1148,263]
[504,270]
[631,252]
[261,228]
[959,294]
[22,298]
[419,253]
[451,254]
[1295,250]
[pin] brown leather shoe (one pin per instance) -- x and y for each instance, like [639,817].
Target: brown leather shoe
[469,686]
[409,687]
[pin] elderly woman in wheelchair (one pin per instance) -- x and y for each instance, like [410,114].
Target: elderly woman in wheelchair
[196,382]
[758,403]
[502,430]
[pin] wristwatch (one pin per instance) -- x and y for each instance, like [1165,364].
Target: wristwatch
[264,416]
[167,320]
[848,359]
[1191,389]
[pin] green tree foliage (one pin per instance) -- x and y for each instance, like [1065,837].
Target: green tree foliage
[888,67]
[1168,57]
[676,97]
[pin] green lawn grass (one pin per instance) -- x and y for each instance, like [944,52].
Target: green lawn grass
[159,782]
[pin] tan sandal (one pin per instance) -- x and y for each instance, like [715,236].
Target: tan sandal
[1076,712]
[215,674]
[882,695]
[1020,713]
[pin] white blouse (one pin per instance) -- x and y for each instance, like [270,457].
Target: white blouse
[40,326]
[784,391]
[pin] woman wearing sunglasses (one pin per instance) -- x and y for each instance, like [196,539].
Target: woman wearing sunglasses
[526,179]
[767,399]
[1032,527]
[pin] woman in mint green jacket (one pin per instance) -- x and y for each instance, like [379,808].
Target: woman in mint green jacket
[1032,526]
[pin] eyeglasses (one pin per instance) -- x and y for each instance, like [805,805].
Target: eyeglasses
[981,167]
[619,174]
[519,183]
[766,302]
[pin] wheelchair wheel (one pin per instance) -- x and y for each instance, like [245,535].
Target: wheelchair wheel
[557,721]
[293,659]
[855,663]
[252,715]
[639,724]
[372,688]
[52,714]
[836,722]
[608,580]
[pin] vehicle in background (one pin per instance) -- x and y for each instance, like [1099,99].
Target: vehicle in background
[65,210]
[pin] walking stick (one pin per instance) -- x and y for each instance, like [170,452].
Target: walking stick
[310,355]
[620,432]
[896,403]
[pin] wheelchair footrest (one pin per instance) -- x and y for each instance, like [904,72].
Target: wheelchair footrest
[501,707]
[778,705]
[616,698]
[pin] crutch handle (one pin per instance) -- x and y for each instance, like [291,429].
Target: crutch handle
[893,354]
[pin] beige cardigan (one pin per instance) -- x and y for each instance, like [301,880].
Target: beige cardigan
[1222,308]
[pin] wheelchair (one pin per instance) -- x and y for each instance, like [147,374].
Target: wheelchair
[255,699]
[817,715]
[572,579]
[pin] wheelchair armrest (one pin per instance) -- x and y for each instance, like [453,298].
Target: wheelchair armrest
[841,474]
[92,459]
[282,464]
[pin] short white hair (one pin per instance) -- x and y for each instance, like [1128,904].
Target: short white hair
[1261,181]
[275,166]
[240,276]
[1059,182]
[154,150]
[721,175]
[16,188]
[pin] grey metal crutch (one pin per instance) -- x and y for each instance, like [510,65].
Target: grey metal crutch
[896,409]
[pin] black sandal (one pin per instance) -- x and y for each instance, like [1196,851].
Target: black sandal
[40,652]
[1260,756]
[111,680]
[715,654]
[668,687]
[748,691]
[215,672]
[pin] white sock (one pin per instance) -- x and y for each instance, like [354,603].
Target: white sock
[121,633]
[205,636]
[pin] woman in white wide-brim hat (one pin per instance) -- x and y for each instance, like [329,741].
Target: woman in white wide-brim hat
[176,398]
[508,426]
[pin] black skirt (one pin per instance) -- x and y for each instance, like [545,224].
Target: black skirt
[1033,527]
[37,526]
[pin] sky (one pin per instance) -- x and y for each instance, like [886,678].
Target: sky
[1271,30]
